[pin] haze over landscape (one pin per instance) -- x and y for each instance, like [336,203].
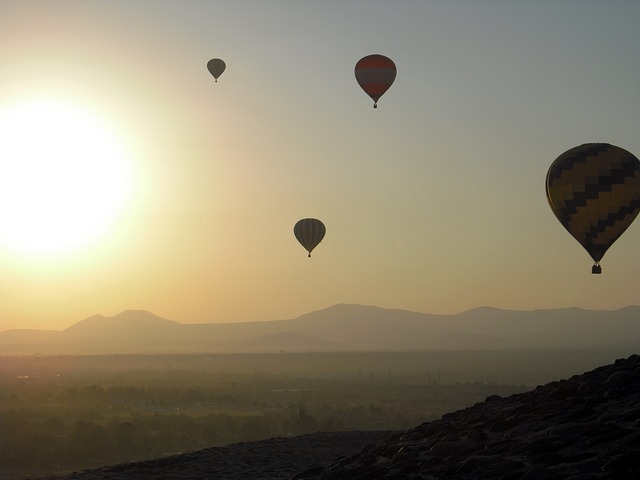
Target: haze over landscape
[134,386]
[155,298]
[180,194]
[342,328]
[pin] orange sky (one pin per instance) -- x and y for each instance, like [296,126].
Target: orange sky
[433,202]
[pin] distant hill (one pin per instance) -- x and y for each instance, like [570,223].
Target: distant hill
[341,328]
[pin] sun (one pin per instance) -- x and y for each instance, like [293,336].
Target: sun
[64,177]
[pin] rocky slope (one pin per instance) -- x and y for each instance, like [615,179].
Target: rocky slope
[273,459]
[586,427]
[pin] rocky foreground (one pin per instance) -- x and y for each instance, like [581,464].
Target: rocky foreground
[583,428]
[586,427]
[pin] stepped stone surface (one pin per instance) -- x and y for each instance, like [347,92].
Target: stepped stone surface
[583,428]
[273,459]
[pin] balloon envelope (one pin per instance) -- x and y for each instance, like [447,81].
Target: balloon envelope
[375,74]
[594,191]
[216,66]
[309,232]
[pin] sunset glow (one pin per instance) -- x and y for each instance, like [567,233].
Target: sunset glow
[134,177]
[64,177]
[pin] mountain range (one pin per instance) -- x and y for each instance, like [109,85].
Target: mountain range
[342,327]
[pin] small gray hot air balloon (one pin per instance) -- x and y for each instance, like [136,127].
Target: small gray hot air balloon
[216,66]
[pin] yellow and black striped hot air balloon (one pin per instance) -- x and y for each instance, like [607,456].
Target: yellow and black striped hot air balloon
[594,190]
[309,232]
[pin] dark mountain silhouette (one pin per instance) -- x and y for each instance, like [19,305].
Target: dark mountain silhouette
[341,328]
[131,321]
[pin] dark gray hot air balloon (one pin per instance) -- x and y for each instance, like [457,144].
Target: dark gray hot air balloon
[216,66]
[309,232]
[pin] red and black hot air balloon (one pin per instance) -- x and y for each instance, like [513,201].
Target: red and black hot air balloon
[375,74]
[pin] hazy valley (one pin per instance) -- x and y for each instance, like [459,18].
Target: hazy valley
[136,386]
[71,412]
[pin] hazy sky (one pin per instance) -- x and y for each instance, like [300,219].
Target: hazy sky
[433,202]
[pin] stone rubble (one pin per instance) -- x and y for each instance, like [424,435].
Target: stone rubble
[583,428]
[272,459]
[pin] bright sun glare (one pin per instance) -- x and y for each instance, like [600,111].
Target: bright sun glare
[64,177]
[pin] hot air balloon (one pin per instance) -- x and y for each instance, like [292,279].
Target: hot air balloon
[216,67]
[594,190]
[309,232]
[375,74]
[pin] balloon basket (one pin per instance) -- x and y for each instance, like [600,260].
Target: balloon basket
[596,269]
